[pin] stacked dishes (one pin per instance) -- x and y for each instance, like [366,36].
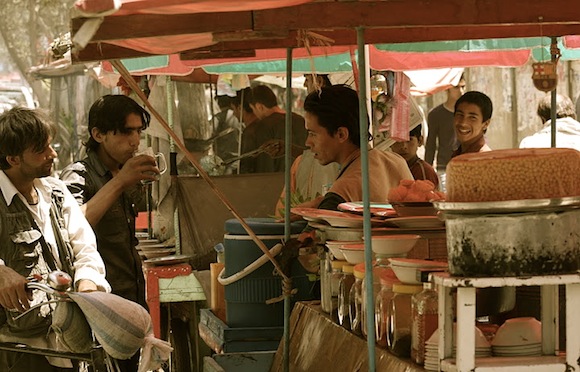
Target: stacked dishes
[482,348]
[334,247]
[518,337]
[408,270]
[153,248]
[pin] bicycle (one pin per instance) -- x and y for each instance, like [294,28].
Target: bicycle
[58,288]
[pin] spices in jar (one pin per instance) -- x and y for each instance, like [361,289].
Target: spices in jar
[399,319]
[425,320]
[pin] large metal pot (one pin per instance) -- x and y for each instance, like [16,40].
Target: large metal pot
[513,244]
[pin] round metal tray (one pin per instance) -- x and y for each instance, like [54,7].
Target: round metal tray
[509,206]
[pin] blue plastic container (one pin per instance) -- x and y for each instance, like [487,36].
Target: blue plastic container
[246,298]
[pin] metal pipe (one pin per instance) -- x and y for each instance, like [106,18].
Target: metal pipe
[553,103]
[287,225]
[364,146]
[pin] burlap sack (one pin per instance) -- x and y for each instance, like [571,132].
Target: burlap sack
[73,333]
[119,325]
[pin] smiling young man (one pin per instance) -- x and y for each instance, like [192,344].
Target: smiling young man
[472,117]
[332,122]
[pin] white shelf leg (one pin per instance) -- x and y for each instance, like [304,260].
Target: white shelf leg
[549,296]
[572,326]
[445,324]
[465,329]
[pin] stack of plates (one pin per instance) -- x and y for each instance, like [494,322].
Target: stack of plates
[518,350]
[518,337]
[154,249]
[482,348]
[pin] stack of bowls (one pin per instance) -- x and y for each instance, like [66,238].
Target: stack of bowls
[393,245]
[334,247]
[518,337]
[354,253]
[482,348]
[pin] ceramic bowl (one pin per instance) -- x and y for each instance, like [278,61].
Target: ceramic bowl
[393,244]
[353,253]
[407,269]
[334,247]
[518,331]
[408,209]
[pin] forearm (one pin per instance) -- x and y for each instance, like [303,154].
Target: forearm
[102,201]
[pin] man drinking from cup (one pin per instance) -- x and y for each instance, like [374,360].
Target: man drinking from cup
[107,186]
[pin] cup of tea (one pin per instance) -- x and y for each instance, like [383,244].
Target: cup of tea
[159,160]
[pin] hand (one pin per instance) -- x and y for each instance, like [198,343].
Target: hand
[85,285]
[140,167]
[274,148]
[13,293]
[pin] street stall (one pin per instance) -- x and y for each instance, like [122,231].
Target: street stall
[485,24]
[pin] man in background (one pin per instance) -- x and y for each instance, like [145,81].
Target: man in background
[420,169]
[226,145]
[567,128]
[271,128]
[441,139]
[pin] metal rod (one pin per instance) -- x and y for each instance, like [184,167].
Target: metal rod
[364,146]
[553,103]
[287,225]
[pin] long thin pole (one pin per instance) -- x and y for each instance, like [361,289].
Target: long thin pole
[287,197]
[363,121]
[554,101]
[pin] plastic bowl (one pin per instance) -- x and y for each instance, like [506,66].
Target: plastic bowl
[409,209]
[334,247]
[393,244]
[518,331]
[353,253]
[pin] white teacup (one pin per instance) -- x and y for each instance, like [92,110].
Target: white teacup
[159,159]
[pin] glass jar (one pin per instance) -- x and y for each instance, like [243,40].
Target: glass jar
[377,272]
[325,271]
[355,299]
[399,319]
[335,276]
[381,304]
[344,286]
[424,307]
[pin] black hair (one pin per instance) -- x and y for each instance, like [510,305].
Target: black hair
[224,101]
[416,132]
[246,94]
[264,95]
[21,129]
[336,106]
[479,99]
[109,113]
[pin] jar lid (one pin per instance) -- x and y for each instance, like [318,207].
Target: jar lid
[407,288]
[347,268]
[387,278]
[337,264]
[359,270]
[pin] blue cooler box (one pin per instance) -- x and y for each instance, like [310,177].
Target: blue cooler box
[246,298]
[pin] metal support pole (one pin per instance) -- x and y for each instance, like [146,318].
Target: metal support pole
[170,104]
[553,103]
[364,146]
[287,227]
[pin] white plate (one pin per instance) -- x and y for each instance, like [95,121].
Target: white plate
[416,222]
[169,260]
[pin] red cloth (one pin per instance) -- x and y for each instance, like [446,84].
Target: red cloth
[400,115]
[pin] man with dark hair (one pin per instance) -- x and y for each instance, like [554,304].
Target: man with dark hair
[420,169]
[567,128]
[226,146]
[441,140]
[313,82]
[30,205]
[107,186]
[271,128]
[332,122]
[472,117]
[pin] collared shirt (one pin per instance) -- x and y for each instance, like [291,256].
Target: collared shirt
[87,261]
